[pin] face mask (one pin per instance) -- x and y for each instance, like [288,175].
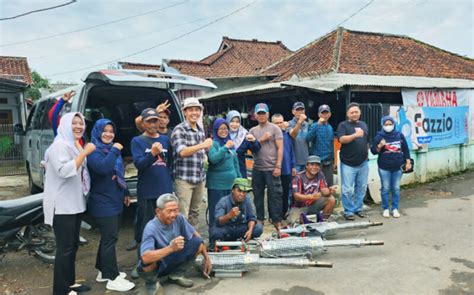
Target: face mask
[388,128]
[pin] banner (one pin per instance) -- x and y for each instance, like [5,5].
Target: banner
[432,127]
[436,97]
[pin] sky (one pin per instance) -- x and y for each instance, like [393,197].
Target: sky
[93,34]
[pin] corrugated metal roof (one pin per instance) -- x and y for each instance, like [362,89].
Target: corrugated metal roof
[333,82]
[241,90]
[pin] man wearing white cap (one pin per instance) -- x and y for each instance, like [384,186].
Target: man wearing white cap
[189,148]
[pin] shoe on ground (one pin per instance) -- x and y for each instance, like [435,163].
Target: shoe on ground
[181,281]
[349,217]
[361,214]
[386,213]
[102,280]
[132,246]
[80,288]
[120,284]
[134,274]
[72,293]
[395,213]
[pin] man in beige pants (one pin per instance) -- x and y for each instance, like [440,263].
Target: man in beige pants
[189,149]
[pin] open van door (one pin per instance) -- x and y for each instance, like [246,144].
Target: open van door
[155,79]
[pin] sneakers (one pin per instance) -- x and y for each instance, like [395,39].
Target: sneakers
[102,280]
[386,213]
[395,213]
[120,284]
[181,281]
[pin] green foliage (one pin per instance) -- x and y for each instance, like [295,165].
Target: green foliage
[5,145]
[38,82]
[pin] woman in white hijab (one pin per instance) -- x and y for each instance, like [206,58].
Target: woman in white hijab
[66,184]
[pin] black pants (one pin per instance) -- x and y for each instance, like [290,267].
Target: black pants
[106,260]
[145,212]
[260,180]
[285,184]
[66,230]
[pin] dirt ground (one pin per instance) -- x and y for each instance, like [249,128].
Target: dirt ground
[23,274]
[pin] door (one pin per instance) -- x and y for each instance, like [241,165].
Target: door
[34,142]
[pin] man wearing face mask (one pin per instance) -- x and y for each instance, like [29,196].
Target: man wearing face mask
[234,215]
[392,148]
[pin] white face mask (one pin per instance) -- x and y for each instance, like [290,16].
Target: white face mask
[388,128]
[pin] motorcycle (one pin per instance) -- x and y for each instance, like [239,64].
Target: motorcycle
[22,227]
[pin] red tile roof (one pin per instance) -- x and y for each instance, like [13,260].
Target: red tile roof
[138,66]
[353,52]
[235,58]
[15,68]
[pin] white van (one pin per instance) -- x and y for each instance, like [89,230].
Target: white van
[118,95]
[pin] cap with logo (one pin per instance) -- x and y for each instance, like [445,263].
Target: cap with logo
[298,105]
[324,108]
[261,107]
[148,114]
[243,184]
[313,159]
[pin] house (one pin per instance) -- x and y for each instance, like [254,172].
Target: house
[386,74]
[236,63]
[15,77]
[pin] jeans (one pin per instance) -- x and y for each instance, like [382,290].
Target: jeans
[390,182]
[213,197]
[106,260]
[300,168]
[285,197]
[66,231]
[172,264]
[233,232]
[354,186]
[260,179]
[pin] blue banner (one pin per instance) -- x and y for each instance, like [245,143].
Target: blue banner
[433,126]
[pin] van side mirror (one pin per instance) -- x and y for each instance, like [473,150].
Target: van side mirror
[18,129]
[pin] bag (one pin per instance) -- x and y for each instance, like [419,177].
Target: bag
[403,167]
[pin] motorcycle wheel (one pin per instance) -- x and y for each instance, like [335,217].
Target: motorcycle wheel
[43,243]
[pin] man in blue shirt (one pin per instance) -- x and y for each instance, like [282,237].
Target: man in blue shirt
[169,246]
[321,135]
[234,216]
[298,129]
[151,154]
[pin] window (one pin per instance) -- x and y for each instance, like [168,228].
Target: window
[30,118]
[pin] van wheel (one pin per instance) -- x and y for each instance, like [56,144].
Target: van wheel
[34,189]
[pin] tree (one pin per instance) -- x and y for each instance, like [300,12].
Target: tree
[38,82]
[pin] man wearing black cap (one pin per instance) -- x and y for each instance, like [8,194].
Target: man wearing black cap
[298,129]
[151,158]
[311,193]
[321,135]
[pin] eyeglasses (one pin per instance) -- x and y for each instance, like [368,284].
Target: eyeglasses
[224,128]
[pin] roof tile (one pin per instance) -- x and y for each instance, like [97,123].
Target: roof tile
[15,68]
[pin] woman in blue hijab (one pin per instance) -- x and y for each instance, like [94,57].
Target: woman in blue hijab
[223,166]
[107,196]
[392,148]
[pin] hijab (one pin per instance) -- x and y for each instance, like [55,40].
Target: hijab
[237,136]
[66,136]
[215,127]
[96,138]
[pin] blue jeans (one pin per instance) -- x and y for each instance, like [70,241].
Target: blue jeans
[213,197]
[300,168]
[354,186]
[390,183]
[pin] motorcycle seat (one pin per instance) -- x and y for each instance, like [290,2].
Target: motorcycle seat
[10,204]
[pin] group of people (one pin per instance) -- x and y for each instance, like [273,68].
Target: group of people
[293,161]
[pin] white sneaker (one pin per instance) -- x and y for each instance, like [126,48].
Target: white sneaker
[386,213]
[102,280]
[395,213]
[120,284]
